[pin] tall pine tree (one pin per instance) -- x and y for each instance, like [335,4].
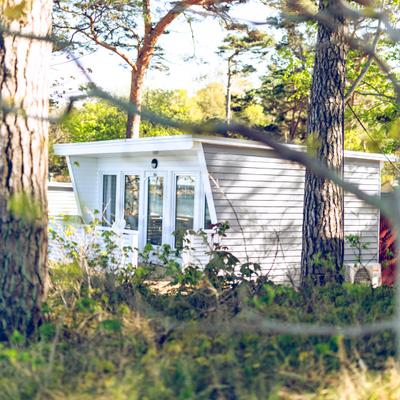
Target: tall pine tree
[23,162]
[323,225]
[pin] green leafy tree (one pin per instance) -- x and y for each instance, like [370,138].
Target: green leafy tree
[58,169]
[94,121]
[240,50]
[129,29]
[372,112]
[371,108]
[174,104]
[285,87]
[211,101]
[254,115]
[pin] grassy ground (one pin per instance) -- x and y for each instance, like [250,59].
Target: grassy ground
[116,337]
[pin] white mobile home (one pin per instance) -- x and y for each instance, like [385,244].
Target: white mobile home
[151,187]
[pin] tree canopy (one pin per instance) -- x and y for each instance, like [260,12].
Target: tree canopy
[129,29]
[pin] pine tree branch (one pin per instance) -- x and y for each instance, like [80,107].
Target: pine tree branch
[367,64]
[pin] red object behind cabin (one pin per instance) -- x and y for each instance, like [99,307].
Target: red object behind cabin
[387,252]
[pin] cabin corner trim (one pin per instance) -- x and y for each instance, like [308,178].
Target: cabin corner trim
[206,182]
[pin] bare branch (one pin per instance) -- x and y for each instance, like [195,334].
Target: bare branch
[367,64]
[262,324]
[325,18]
[93,36]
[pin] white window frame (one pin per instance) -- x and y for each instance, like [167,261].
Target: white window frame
[197,200]
[117,194]
[140,174]
[166,207]
[169,201]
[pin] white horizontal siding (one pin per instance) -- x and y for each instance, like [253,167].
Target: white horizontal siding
[261,197]
[85,172]
[197,249]
[360,218]
[61,200]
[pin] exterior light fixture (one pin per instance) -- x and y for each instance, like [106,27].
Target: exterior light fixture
[154,163]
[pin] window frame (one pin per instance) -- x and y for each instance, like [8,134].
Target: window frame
[139,174]
[166,208]
[197,200]
[100,201]
[169,201]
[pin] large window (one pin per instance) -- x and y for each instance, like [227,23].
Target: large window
[109,199]
[184,207]
[131,202]
[155,195]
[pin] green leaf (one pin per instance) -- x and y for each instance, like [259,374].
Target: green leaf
[16,12]
[111,325]
[24,207]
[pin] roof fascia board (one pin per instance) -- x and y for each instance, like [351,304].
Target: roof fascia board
[171,143]
[257,145]
[183,142]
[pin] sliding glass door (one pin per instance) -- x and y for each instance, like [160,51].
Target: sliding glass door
[161,206]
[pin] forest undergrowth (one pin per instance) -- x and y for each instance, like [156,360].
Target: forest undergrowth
[121,334]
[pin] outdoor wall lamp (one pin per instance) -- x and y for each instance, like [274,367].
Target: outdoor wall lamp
[154,163]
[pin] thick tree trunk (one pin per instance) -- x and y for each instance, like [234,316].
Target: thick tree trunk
[323,230]
[23,168]
[135,99]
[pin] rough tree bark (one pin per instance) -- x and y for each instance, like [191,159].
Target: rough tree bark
[135,98]
[23,164]
[228,95]
[152,33]
[323,226]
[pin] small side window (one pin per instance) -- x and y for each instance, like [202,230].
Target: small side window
[207,218]
[109,199]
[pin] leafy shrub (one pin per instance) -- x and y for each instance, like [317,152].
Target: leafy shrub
[116,333]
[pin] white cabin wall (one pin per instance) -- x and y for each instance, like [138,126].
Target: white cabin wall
[166,161]
[85,178]
[261,196]
[61,199]
[360,218]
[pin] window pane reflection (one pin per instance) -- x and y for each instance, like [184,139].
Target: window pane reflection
[131,202]
[155,194]
[109,199]
[185,186]
[207,217]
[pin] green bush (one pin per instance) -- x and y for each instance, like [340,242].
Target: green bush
[126,337]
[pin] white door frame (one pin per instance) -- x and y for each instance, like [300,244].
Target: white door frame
[165,217]
[169,199]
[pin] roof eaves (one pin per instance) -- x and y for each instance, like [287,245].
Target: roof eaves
[160,143]
[258,145]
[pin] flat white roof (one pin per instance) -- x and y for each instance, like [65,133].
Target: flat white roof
[179,143]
